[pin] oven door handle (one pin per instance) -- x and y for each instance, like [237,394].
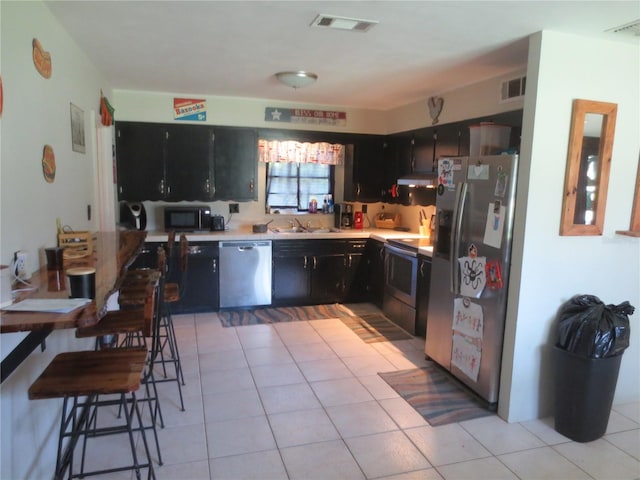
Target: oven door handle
[458,212]
[400,251]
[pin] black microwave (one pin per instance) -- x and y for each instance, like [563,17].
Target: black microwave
[187,219]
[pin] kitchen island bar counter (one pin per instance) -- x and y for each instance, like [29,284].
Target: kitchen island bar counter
[112,255]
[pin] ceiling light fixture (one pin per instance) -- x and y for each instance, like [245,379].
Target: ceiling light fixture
[297,79]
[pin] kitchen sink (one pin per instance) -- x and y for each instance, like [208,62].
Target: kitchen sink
[305,230]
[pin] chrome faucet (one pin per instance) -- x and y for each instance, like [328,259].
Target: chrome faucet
[302,227]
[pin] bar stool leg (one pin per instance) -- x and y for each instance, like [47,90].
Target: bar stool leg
[173,345]
[167,323]
[151,473]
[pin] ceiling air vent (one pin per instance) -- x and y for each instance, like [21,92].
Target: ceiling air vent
[343,23]
[512,89]
[631,29]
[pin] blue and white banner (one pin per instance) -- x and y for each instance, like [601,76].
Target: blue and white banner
[301,115]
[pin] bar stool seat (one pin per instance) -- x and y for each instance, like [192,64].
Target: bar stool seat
[90,372]
[76,375]
[127,321]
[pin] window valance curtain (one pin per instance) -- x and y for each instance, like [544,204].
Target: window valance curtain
[291,151]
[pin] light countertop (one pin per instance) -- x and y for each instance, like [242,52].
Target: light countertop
[246,233]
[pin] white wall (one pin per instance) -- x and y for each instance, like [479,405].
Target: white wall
[36,112]
[478,100]
[548,269]
[245,112]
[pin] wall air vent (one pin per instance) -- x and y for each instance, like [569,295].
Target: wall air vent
[631,29]
[343,23]
[512,89]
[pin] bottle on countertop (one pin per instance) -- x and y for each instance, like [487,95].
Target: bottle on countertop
[325,205]
[330,204]
[313,206]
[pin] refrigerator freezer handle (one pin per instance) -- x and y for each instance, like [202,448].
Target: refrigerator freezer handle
[458,212]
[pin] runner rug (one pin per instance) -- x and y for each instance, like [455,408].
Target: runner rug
[436,395]
[370,327]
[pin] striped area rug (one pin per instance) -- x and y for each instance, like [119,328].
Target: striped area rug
[436,395]
[257,316]
[366,321]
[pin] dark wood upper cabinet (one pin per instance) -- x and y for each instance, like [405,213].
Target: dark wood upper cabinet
[236,163]
[174,162]
[364,160]
[189,163]
[140,161]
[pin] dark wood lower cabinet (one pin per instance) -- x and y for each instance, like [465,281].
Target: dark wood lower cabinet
[422,304]
[374,272]
[304,272]
[199,284]
[291,280]
[307,272]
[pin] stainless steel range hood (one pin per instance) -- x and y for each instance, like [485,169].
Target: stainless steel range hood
[426,179]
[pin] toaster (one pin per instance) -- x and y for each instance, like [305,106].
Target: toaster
[217,223]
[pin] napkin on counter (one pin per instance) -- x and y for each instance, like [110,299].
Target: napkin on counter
[54,305]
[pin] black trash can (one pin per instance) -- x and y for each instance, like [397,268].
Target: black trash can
[592,337]
[584,389]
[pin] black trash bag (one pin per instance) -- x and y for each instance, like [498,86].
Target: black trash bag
[589,328]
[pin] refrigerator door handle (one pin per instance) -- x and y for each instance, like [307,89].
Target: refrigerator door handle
[458,212]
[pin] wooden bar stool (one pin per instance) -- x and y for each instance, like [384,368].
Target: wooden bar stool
[131,295]
[135,325]
[172,294]
[90,374]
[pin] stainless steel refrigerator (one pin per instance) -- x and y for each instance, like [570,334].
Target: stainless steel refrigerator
[470,273]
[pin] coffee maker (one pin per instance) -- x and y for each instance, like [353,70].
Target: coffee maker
[343,215]
[133,215]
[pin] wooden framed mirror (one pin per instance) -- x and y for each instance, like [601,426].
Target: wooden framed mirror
[634,226]
[588,165]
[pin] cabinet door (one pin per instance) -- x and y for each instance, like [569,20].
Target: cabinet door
[389,169]
[363,183]
[449,140]
[189,161]
[140,161]
[327,278]
[199,283]
[422,306]
[291,280]
[356,278]
[375,273]
[236,163]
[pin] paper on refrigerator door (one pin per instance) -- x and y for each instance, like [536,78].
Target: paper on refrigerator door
[467,318]
[494,225]
[466,355]
[472,276]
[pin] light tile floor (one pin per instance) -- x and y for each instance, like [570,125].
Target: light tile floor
[303,401]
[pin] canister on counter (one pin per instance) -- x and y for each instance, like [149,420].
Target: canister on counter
[358,220]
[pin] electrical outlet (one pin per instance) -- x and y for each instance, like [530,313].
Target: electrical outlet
[20,262]
[364,208]
[234,208]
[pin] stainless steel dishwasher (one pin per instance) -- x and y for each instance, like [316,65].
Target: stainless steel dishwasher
[245,273]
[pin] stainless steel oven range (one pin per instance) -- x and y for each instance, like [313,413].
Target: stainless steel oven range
[401,281]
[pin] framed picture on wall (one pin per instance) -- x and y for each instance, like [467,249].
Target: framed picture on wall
[77,129]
